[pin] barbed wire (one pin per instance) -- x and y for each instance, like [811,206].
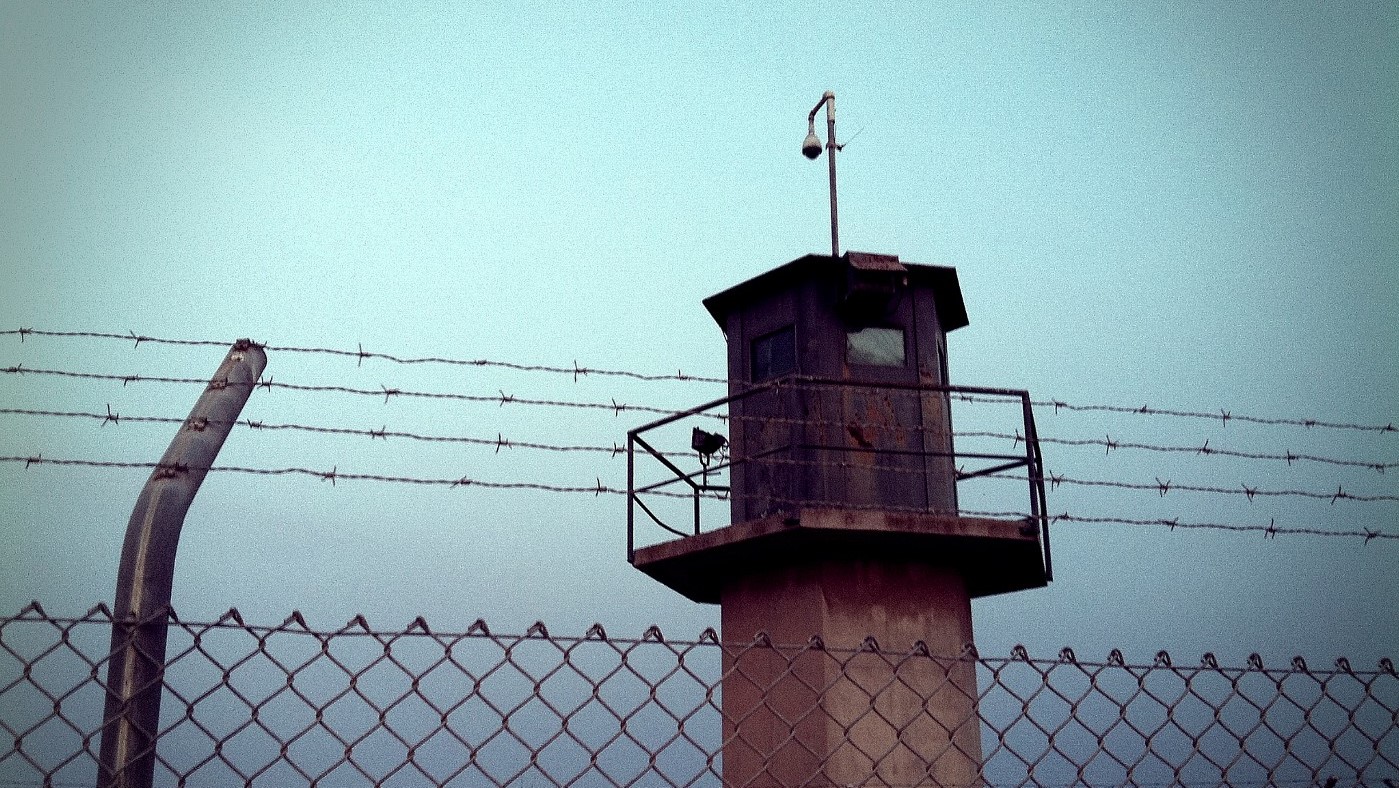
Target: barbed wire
[360,354]
[333,475]
[1054,480]
[1222,415]
[383,433]
[1163,487]
[576,371]
[503,399]
[1111,444]
[1270,530]
[501,442]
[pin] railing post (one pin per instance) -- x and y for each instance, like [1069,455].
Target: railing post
[1032,469]
[135,672]
[1038,505]
[631,494]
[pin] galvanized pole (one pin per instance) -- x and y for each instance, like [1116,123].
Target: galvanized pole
[811,148]
[135,673]
[831,148]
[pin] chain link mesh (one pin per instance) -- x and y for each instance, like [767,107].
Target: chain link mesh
[289,705]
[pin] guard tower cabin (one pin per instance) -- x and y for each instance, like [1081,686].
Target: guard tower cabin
[882,443]
[840,412]
[844,526]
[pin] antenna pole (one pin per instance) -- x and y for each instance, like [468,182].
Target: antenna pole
[831,148]
[829,99]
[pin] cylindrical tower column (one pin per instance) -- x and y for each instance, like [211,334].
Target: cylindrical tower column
[883,697]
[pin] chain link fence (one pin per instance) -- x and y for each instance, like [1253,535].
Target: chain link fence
[291,705]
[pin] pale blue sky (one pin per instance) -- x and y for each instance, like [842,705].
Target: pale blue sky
[1190,205]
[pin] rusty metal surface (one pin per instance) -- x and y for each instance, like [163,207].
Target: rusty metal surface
[942,280]
[871,261]
[294,705]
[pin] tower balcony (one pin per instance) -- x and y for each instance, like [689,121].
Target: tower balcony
[801,468]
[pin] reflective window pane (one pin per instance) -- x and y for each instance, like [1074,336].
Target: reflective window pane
[879,347]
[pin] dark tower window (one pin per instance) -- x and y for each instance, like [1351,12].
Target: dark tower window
[774,354]
[878,347]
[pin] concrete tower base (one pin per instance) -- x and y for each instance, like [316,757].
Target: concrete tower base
[882,697]
[858,711]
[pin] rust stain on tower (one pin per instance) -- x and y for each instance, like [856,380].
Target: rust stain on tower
[840,471]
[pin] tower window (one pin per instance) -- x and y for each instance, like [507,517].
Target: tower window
[774,354]
[877,347]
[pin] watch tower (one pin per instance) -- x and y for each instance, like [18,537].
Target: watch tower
[844,531]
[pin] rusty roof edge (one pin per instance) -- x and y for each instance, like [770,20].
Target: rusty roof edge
[952,310]
[873,261]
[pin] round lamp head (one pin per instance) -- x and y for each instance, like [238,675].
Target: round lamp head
[811,146]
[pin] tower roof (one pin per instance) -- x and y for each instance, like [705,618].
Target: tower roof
[947,292]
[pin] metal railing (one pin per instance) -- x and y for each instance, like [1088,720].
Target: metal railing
[292,705]
[825,427]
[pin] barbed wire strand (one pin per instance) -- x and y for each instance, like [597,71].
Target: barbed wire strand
[1222,415]
[1054,479]
[360,354]
[1271,530]
[503,399]
[383,433]
[332,475]
[617,409]
[1110,444]
[1163,487]
[500,441]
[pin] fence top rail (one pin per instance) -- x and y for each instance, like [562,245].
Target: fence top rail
[358,626]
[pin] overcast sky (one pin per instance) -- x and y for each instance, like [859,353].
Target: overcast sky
[1186,205]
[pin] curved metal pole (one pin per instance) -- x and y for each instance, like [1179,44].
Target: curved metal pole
[829,99]
[135,674]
